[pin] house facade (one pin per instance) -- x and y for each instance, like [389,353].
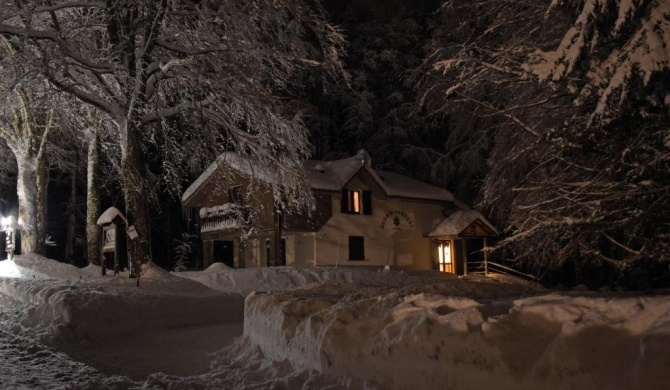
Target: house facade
[363,217]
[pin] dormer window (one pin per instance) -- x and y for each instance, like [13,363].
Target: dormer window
[356,202]
[235,194]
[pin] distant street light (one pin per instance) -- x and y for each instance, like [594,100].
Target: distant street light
[9,226]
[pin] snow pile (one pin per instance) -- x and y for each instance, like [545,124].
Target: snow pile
[246,280]
[30,265]
[332,328]
[78,304]
[243,366]
[437,337]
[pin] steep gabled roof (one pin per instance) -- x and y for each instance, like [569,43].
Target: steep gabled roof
[233,161]
[458,222]
[335,174]
[330,176]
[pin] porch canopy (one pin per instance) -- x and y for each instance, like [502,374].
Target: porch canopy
[463,224]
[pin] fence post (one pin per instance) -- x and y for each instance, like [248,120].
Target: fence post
[486,258]
[464,249]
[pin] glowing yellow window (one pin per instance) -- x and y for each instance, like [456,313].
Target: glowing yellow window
[444,257]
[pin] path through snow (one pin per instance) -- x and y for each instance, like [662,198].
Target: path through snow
[26,363]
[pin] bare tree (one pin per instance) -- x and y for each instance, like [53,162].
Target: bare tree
[227,65]
[93,252]
[568,97]
[25,128]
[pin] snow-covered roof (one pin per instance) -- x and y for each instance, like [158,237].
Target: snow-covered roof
[335,174]
[234,161]
[404,186]
[454,224]
[109,216]
[332,175]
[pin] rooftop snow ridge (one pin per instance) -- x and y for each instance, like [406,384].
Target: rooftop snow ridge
[330,175]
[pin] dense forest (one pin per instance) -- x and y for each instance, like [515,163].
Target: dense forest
[551,117]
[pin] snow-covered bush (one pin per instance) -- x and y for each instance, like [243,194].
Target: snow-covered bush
[183,248]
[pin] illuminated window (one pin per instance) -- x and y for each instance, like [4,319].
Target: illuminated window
[356,202]
[444,257]
[355,205]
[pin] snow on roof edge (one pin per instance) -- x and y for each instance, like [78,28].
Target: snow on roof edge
[335,182]
[108,216]
[458,221]
[197,183]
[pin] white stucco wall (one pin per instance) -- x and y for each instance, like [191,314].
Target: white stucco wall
[402,245]
[400,242]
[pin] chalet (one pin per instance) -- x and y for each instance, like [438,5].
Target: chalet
[363,217]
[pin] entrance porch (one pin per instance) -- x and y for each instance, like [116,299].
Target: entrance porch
[460,238]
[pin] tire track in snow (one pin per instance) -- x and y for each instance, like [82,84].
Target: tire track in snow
[26,363]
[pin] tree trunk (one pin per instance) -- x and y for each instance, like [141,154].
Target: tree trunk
[92,200]
[136,199]
[26,189]
[42,180]
[31,189]
[72,220]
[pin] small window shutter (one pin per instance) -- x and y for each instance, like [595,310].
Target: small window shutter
[345,201]
[367,202]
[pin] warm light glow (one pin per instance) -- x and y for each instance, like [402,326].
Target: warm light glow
[357,203]
[447,254]
[440,253]
[444,257]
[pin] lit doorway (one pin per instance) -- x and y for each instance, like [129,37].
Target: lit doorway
[444,257]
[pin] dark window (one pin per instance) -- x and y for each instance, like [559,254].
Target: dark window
[367,202]
[282,252]
[356,248]
[224,252]
[235,194]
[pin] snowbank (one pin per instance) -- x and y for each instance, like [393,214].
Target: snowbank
[423,338]
[340,328]
[78,304]
[244,281]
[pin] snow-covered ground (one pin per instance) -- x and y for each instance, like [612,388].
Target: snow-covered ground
[319,328]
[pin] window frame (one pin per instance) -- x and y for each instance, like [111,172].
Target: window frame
[353,244]
[235,194]
[357,202]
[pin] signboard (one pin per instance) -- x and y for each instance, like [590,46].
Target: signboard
[132,232]
[397,220]
[109,238]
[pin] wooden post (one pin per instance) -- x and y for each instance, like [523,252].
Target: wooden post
[337,258]
[464,248]
[486,258]
[241,253]
[315,240]
[277,237]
